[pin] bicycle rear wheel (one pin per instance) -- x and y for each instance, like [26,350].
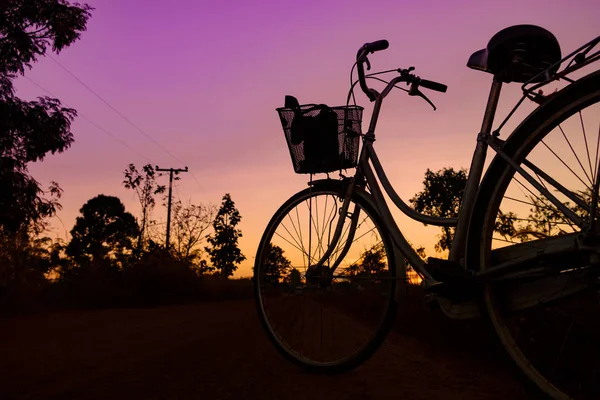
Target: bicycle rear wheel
[548,317]
[333,319]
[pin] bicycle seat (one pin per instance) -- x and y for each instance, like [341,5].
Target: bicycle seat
[518,53]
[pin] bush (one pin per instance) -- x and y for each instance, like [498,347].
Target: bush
[155,278]
[216,288]
[158,278]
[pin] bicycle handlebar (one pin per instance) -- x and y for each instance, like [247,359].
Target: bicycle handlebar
[378,45]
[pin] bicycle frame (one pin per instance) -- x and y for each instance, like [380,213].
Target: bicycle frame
[370,175]
[507,261]
[510,260]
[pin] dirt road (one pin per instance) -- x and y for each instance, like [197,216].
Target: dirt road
[218,351]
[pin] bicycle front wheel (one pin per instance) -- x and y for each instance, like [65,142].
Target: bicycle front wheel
[334,317]
[547,312]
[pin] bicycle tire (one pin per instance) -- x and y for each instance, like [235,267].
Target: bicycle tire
[527,142]
[343,364]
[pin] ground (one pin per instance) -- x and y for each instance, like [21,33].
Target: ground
[217,350]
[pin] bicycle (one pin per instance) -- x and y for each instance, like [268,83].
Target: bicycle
[350,270]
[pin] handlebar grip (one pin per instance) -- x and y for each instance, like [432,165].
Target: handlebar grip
[438,87]
[377,45]
[372,47]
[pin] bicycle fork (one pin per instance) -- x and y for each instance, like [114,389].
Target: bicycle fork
[321,272]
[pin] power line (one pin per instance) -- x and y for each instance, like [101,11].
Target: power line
[177,193]
[91,122]
[114,109]
[122,116]
[197,182]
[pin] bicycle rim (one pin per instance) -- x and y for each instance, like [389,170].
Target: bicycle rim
[325,325]
[554,334]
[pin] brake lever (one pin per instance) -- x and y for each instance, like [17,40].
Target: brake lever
[414,91]
[368,63]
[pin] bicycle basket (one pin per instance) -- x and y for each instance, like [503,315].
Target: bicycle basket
[322,138]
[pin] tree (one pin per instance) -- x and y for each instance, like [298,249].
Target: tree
[372,261]
[294,278]
[275,264]
[223,251]
[104,231]
[442,194]
[145,187]
[31,129]
[189,225]
[204,268]
[441,197]
[30,260]
[544,219]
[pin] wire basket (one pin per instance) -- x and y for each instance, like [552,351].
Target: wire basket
[322,138]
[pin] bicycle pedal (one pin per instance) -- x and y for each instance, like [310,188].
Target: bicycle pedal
[448,271]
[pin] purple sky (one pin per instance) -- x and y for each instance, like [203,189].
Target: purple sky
[203,79]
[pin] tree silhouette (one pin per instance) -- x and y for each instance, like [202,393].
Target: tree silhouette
[441,198]
[204,268]
[31,259]
[189,225]
[223,251]
[442,194]
[31,129]
[371,262]
[294,278]
[275,264]
[544,219]
[145,187]
[104,231]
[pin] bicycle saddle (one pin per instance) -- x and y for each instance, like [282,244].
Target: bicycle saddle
[518,53]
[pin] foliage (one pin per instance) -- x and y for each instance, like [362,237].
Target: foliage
[103,231]
[31,129]
[24,259]
[294,278]
[442,194]
[275,264]
[158,277]
[223,251]
[204,268]
[189,225]
[371,263]
[441,197]
[28,27]
[544,219]
[145,187]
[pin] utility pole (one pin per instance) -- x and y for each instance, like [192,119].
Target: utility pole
[171,171]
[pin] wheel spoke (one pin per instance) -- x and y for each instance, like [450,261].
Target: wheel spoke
[597,154]
[554,211]
[594,203]
[572,196]
[575,154]
[562,162]
[306,262]
[587,149]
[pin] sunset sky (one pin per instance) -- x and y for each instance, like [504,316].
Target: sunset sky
[203,79]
